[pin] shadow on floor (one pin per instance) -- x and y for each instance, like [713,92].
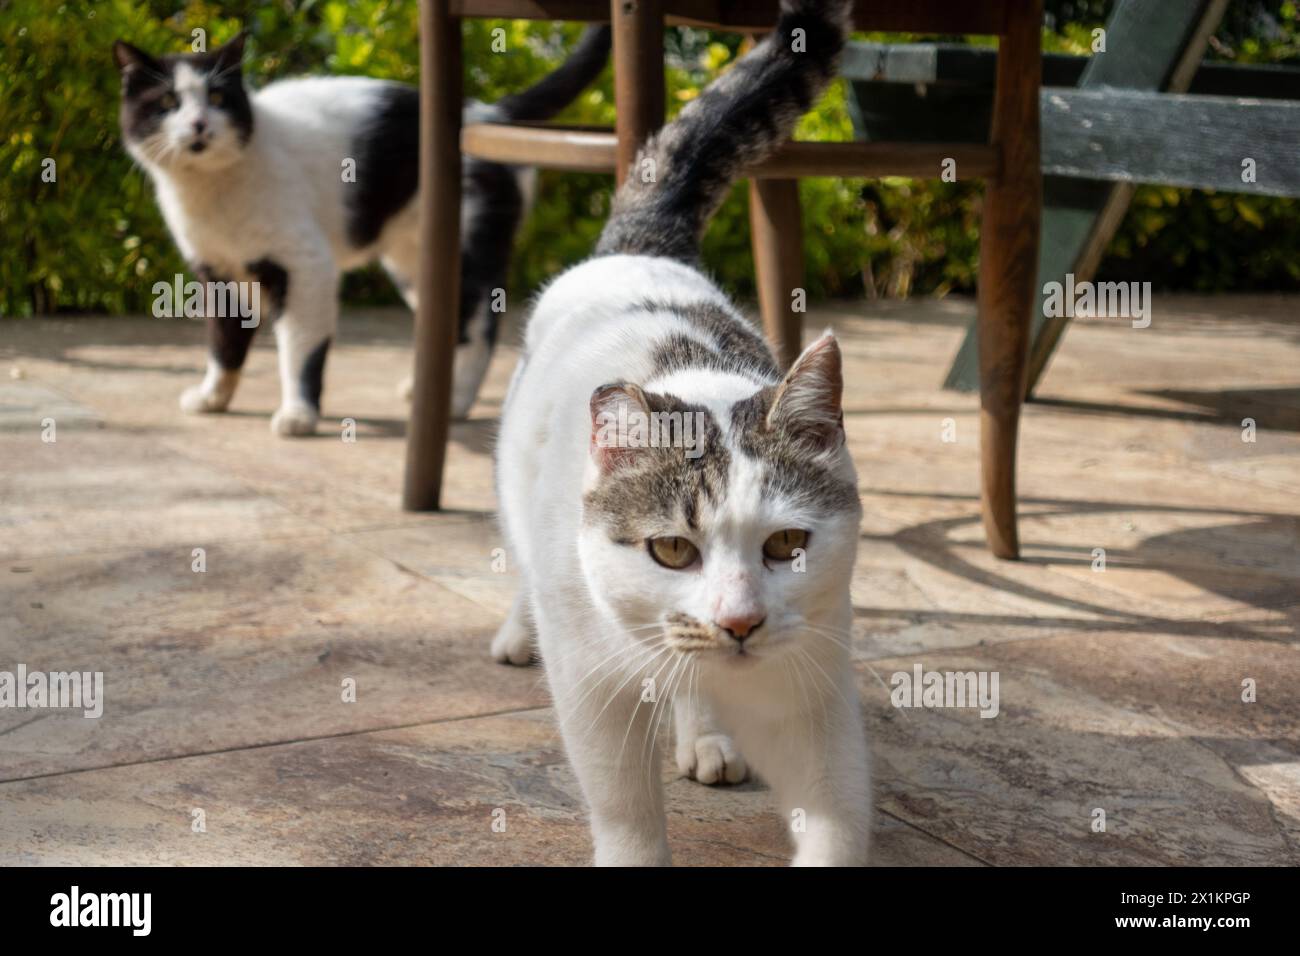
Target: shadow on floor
[1230,567]
[1275,409]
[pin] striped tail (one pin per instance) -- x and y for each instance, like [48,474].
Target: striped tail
[682,173]
[560,87]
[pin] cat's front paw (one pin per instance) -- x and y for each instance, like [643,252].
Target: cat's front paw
[513,644]
[200,400]
[295,420]
[462,396]
[631,846]
[711,759]
[851,851]
[462,400]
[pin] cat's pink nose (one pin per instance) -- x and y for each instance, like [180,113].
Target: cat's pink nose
[740,626]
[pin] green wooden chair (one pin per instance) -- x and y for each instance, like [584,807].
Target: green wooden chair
[1144,111]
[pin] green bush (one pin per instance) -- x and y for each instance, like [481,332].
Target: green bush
[93,240]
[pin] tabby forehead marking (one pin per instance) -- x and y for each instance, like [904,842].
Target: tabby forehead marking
[729,344]
[662,483]
[789,470]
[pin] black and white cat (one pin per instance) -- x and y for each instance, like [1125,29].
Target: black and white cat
[706,574]
[293,184]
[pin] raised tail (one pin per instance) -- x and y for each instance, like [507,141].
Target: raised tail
[682,173]
[559,88]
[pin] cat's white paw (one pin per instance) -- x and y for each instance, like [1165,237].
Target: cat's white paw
[200,400]
[462,400]
[462,396]
[848,849]
[293,420]
[625,853]
[711,759]
[471,365]
[513,644]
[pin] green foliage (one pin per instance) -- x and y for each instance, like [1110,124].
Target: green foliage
[94,240]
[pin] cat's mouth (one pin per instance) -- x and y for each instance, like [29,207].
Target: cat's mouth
[687,635]
[198,146]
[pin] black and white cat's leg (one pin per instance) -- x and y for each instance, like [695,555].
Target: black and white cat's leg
[474,351]
[400,264]
[476,330]
[513,642]
[229,338]
[810,747]
[303,334]
[705,752]
[495,199]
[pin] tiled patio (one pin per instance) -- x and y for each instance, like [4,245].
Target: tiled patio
[1120,689]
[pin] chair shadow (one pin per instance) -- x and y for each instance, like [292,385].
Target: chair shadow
[380,326]
[1234,573]
[1276,409]
[477,435]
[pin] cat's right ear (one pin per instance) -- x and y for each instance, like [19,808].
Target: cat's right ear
[128,57]
[231,53]
[619,414]
[807,407]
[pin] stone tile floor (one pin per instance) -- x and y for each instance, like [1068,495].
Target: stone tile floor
[1121,689]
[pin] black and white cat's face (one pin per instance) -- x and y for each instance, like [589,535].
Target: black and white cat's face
[187,110]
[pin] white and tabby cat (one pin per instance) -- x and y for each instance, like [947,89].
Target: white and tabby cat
[255,187]
[712,580]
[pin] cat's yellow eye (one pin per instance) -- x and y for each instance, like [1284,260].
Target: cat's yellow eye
[782,545]
[215,98]
[675,553]
[168,101]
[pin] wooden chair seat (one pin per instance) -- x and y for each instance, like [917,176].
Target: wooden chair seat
[594,150]
[987,17]
[1009,163]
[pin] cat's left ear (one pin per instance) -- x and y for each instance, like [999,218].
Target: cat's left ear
[807,405]
[231,54]
[128,57]
[619,413]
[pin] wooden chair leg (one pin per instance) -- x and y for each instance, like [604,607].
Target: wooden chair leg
[776,226]
[438,287]
[1008,271]
[637,28]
